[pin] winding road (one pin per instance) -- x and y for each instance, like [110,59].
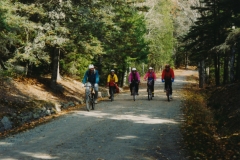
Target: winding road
[120,130]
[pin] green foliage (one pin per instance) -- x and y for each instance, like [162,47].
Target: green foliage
[206,38]
[75,64]
[160,35]
[107,33]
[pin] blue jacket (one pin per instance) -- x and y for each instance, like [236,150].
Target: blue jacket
[92,78]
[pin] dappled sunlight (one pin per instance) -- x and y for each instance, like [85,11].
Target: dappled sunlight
[127,137]
[144,119]
[39,155]
[96,114]
[5,144]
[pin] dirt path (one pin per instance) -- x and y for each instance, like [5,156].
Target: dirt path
[119,130]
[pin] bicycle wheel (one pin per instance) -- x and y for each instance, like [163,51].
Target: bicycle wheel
[88,103]
[167,93]
[149,93]
[134,93]
[92,102]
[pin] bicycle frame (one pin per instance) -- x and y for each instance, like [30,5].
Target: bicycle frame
[90,94]
[168,92]
[149,83]
[134,90]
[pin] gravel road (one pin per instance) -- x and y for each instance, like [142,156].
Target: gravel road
[120,130]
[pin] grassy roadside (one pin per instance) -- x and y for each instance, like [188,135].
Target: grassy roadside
[203,135]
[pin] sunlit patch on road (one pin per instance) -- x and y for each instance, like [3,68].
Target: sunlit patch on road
[39,155]
[144,119]
[127,137]
[5,144]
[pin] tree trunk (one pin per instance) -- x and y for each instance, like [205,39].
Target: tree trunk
[186,61]
[237,67]
[226,70]
[231,65]
[216,67]
[123,77]
[201,74]
[2,65]
[26,68]
[207,75]
[55,71]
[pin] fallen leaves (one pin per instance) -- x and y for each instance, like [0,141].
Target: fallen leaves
[204,137]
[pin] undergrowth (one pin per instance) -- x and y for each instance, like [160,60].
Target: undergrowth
[201,128]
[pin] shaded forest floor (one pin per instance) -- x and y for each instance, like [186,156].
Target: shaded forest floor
[212,116]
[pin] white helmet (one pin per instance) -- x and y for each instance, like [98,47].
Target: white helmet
[150,68]
[90,66]
[134,69]
[112,70]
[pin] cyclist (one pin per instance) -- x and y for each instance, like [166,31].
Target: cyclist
[92,76]
[112,80]
[134,78]
[168,78]
[150,76]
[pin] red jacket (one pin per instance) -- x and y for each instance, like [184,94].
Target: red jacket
[150,75]
[167,75]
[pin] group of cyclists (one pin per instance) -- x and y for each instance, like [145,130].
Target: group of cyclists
[92,76]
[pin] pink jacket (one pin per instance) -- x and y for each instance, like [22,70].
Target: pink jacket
[130,77]
[148,76]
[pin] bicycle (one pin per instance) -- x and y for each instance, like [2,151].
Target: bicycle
[90,94]
[168,93]
[134,92]
[112,93]
[149,90]
[167,89]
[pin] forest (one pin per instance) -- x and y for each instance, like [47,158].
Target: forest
[60,38]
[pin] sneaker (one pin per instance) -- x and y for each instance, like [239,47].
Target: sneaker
[95,101]
[170,96]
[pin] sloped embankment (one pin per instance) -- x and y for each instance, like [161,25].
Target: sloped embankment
[211,129]
[25,102]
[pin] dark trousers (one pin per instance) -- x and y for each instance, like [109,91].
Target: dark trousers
[151,85]
[136,86]
[168,82]
[111,87]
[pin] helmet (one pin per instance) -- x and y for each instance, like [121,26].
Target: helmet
[134,69]
[90,66]
[112,70]
[167,66]
[150,68]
